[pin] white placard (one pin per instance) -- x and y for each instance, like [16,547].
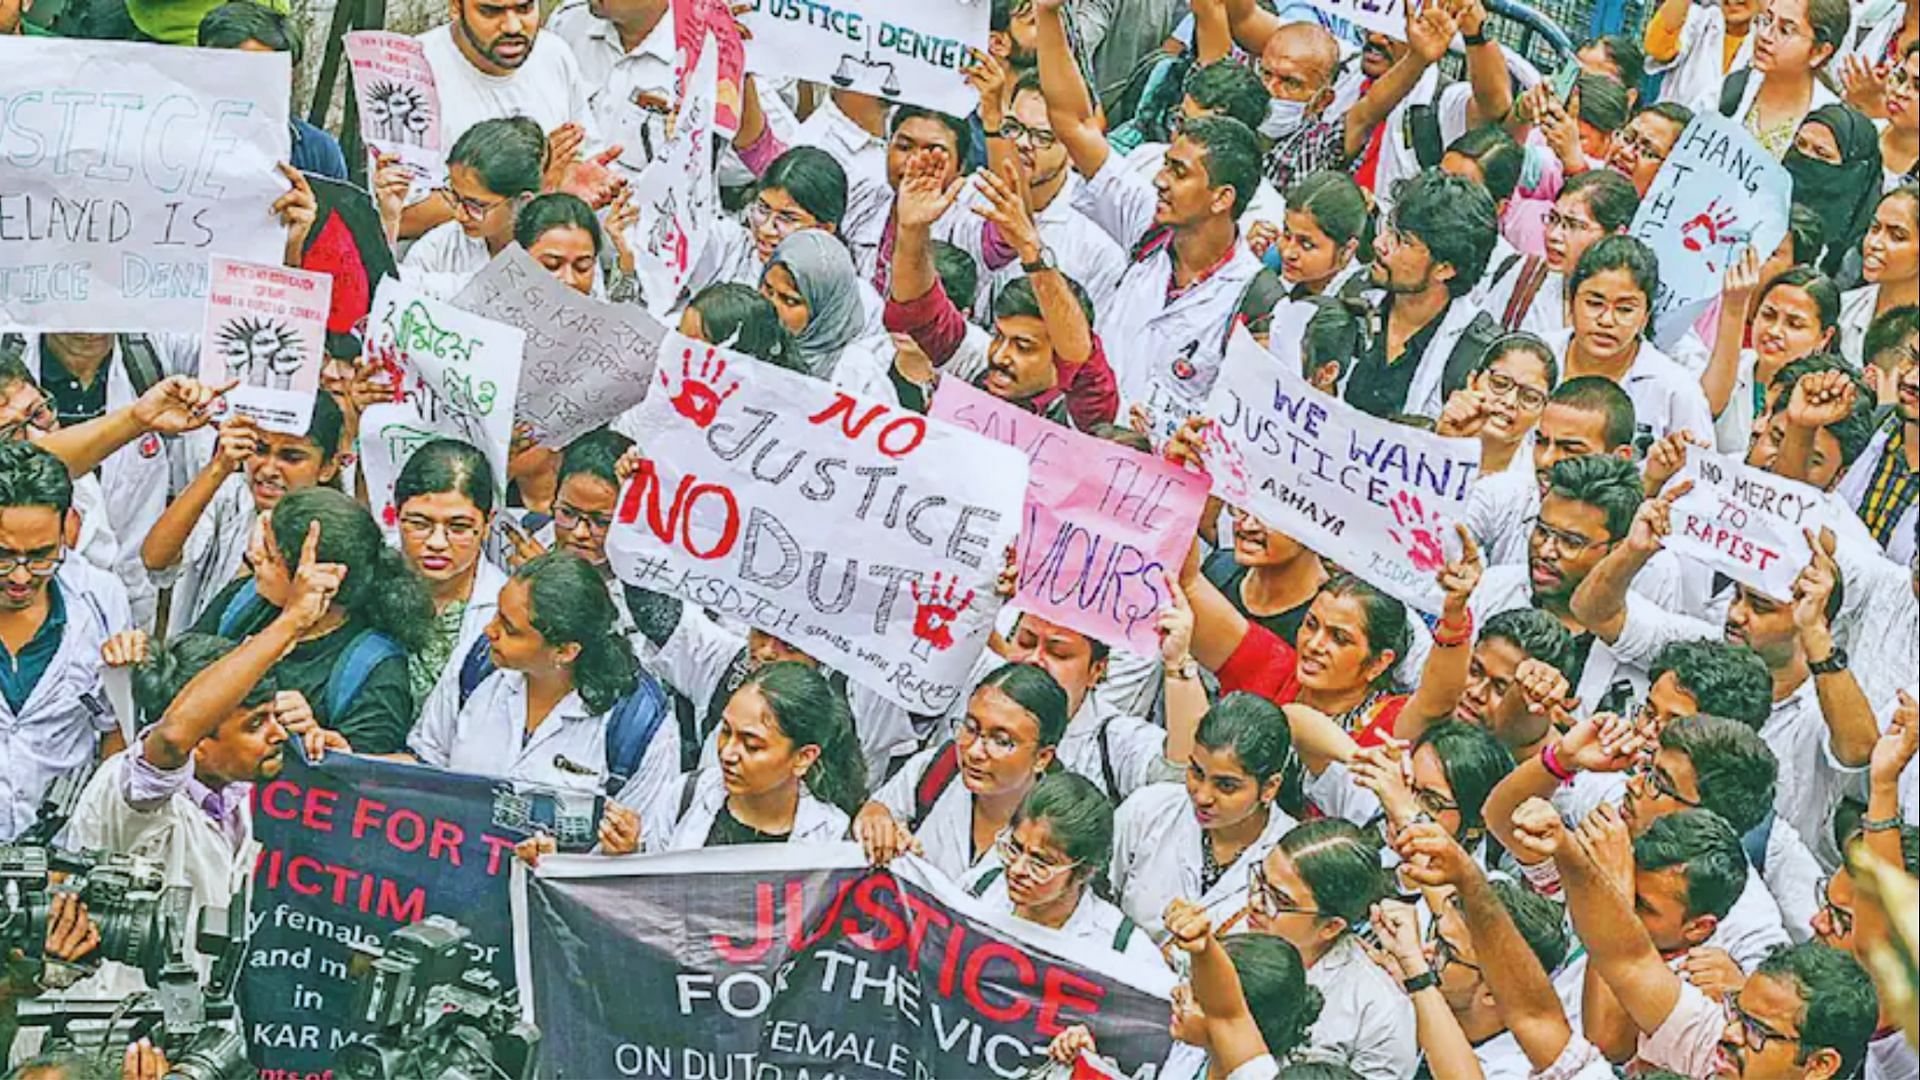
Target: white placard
[866,535]
[677,195]
[1745,522]
[1379,498]
[399,105]
[267,327]
[897,52]
[123,168]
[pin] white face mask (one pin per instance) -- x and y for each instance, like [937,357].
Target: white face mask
[1283,118]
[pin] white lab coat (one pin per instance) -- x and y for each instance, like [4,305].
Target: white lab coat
[946,836]
[1424,393]
[1135,749]
[1666,396]
[814,822]
[1094,925]
[61,721]
[482,602]
[1856,314]
[1157,857]
[1695,74]
[1366,1021]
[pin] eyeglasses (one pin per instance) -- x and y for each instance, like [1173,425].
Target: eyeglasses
[1642,147]
[1433,802]
[999,743]
[1266,899]
[1569,543]
[40,566]
[1765,23]
[568,518]
[39,415]
[1645,773]
[782,222]
[1755,1035]
[1899,79]
[1558,220]
[1042,870]
[459,530]
[1530,399]
[473,208]
[1840,918]
[1445,953]
[1015,131]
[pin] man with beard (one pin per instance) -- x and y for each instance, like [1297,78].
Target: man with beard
[490,63]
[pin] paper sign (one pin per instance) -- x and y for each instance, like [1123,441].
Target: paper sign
[866,535]
[1103,524]
[678,197]
[897,52]
[399,107]
[267,327]
[586,361]
[702,24]
[1387,17]
[1745,522]
[123,168]
[1718,194]
[456,376]
[1379,498]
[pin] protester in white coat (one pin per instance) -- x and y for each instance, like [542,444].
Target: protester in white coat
[443,503]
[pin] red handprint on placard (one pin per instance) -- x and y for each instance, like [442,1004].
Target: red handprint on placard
[1713,221]
[1422,542]
[697,400]
[934,612]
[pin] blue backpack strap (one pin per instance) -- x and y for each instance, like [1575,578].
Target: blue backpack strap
[236,610]
[350,670]
[631,725]
[1755,843]
[475,667]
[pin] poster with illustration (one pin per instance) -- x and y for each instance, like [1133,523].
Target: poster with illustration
[399,107]
[909,54]
[677,196]
[266,327]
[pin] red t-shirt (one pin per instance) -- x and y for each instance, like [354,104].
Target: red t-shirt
[1265,664]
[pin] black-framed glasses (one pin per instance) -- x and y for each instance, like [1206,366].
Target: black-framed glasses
[1044,871]
[783,222]
[1433,802]
[1570,543]
[1040,139]
[1645,773]
[1840,918]
[40,566]
[999,743]
[1444,952]
[568,518]
[39,415]
[473,208]
[1266,899]
[458,530]
[1642,146]
[1754,1033]
[1530,398]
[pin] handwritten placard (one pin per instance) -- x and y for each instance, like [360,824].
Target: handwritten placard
[699,25]
[587,361]
[399,106]
[1103,524]
[267,327]
[1745,522]
[123,168]
[1379,498]
[1717,194]
[1387,17]
[678,197]
[455,375]
[911,53]
[835,523]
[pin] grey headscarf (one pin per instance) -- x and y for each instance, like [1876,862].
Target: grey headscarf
[823,271]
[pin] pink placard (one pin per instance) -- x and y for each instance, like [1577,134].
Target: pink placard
[399,105]
[1103,524]
[266,326]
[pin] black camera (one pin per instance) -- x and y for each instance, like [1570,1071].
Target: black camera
[142,920]
[437,1012]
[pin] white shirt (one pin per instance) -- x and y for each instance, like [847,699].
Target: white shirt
[1081,249]
[1134,749]
[1547,314]
[1753,927]
[483,600]
[61,721]
[1508,588]
[1856,314]
[814,822]
[1163,354]
[864,157]
[444,260]
[215,551]
[1666,396]
[946,835]
[1687,1040]
[1095,923]
[615,79]
[1267,204]
[1696,72]
[1157,857]
[1501,510]
[547,88]
[1366,1022]
[1890,1058]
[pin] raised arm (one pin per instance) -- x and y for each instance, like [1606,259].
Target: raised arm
[1066,321]
[1852,729]
[1600,603]
[1443,678]
[1251,24]
[1212,32]
[1816,401]
[1069,105]
[1233,1037]
[1429,29]
[1487,72]
[173,406]
[1596,869]
[1403,954]
[1723,367]
[1603,743]
[168,537]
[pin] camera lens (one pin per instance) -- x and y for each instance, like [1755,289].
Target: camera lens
[216,1054]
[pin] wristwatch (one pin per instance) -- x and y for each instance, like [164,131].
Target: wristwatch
[1186,670]
[1420,982]
[1043,262]
[1836,661]
[1475,39]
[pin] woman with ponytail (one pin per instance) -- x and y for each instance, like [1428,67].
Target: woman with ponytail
[561,666]
[1314,889]
[351,667]
[1050,867]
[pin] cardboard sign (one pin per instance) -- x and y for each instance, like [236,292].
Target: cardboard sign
[587,361]
[909,53]
[123,168]
[678,196]
[455,375]
[835,523]
[1379,498]
[267,327]
[1103,524]
[1745,522]
[399,106]
[1717,194]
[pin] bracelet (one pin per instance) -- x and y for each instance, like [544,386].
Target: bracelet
[1475,39]
[1883,824]
[1426,980]
[1447,636]
[1550,761]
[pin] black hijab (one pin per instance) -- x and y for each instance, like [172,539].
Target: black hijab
[1842,195]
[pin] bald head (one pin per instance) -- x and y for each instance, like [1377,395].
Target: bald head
[1299,61]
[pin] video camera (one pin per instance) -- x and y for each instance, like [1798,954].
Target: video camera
[437,1012]
[142,924]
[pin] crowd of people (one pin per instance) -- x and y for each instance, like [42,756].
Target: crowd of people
[1605,809]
